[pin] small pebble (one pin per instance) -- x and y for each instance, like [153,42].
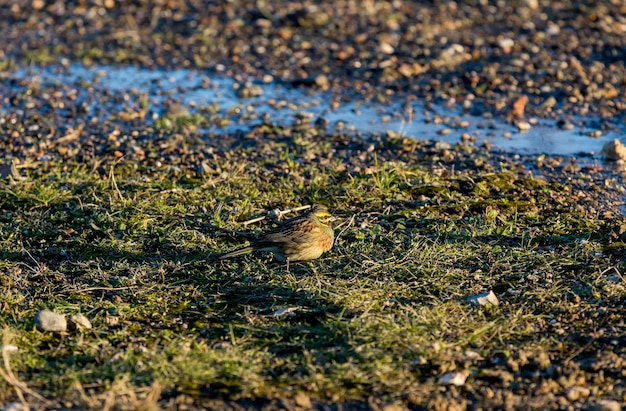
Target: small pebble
[553,29]
[322,81]
[80,322]
[575,393]
[506,44]
[522,125]
[386,48]
[204,168]
[454,378]
[48,321]
[285,312]
[303,401]
[485,298]
[177,110]
[9,348]
[614,150]
[14,406]
[249,91]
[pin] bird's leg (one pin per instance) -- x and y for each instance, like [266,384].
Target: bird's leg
[287,259]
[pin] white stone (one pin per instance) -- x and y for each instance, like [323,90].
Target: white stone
[10,348]
[523,125]
[285,312]
[485,298]
[506,43]
[386,48]
[48,321]
[457,378]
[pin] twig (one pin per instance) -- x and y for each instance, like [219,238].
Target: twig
[254,220]
[277,214]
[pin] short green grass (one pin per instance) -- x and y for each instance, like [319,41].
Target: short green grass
[379,318]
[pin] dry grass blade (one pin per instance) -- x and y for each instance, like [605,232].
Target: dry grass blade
[71,136]
[116,190]
[8,375]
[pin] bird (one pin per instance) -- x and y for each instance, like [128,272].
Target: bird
[301,238]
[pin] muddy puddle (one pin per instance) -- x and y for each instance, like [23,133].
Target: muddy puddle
[247,103]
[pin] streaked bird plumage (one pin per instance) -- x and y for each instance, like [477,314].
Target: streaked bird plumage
[301,238]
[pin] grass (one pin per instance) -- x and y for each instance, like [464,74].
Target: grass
[382,316]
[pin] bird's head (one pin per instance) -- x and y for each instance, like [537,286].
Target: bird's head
[322,214]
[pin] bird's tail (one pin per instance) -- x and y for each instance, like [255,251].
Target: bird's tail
[235,253]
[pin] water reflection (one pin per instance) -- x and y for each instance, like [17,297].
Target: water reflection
[191,92]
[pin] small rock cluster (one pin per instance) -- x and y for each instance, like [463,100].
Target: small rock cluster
[49,321]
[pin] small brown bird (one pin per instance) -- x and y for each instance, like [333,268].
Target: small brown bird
[301,238]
